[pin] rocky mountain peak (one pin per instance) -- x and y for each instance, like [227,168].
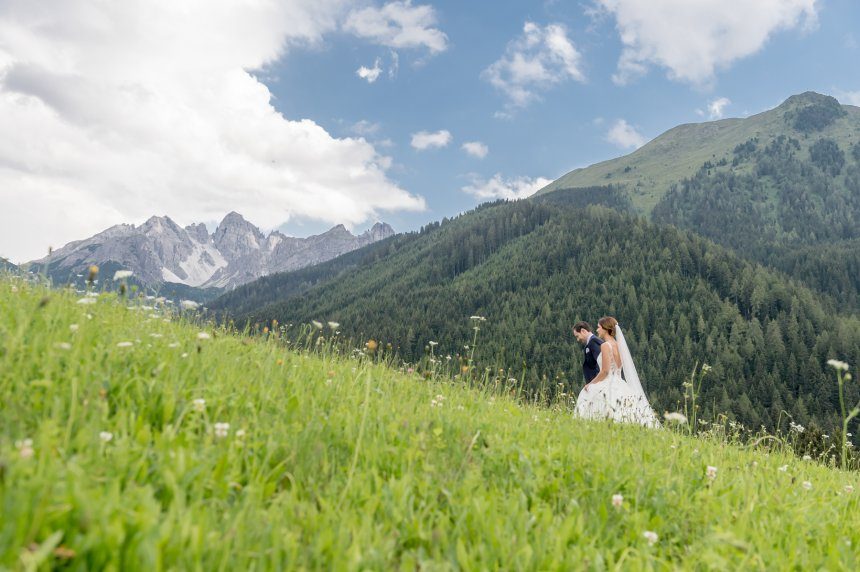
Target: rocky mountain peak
[198,232]
[160,251]
[379,231]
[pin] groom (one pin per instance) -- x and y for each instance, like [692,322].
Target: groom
[591,348]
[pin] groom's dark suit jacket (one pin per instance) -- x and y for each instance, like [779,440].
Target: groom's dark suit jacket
[592,353]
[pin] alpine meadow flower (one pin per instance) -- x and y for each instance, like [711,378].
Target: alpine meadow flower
[73,327]
[333,325]
[783,469]
[25,448]
[675,417]
[189,305]
[617,500]
[711,472]
[124,344]
[122,274]
[807,485]
[836,364]
[650,536]
[106,437]
[63,346]
[203,336]
[317,324]
[87,301]
[199,405]
[221,430]
[849,489]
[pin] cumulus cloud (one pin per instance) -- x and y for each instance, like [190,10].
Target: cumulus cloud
[426,140]
[122,110]
[475,149]
[500,188]
[370,74]
[716,107]
[398,25]
[533,62]
[692,40]
[848,97]
[624,135]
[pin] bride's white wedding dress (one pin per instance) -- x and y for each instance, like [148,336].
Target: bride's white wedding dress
[614,398]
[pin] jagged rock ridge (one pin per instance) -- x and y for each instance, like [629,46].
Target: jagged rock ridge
[160,251]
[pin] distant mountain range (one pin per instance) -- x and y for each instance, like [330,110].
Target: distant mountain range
[161,252]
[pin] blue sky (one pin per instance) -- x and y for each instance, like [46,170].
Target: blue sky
[124,110]
[567,127]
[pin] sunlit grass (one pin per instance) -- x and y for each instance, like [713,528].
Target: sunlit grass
[130,441]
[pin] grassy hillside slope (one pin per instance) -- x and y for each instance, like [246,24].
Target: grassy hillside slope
[109,459]
[649,172]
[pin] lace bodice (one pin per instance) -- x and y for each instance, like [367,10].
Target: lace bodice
[614,367]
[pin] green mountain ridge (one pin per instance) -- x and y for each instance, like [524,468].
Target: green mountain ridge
[781,188]
[649,172]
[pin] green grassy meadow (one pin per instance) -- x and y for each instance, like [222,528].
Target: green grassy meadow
[129,441]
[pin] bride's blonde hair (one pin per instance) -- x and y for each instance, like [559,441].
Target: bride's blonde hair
[608,323]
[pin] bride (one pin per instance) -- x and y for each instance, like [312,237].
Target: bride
[608,396]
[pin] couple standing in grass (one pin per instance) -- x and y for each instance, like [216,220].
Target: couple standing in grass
[608,395]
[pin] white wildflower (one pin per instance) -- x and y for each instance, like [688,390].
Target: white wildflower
[106,437]
[63,346]
[203,336]
[189,304]
[199,404]
[87,301]
[807,458]
[317,324]
[478,318]
[807,485]
[675,417]
[184,355]
[155,336]
[849,489]
[711,472]
[617,500]
[333,325]
[124,344]
[73,327]
[121,274]
[173,345]
[650,536]
[221,429]
[240,434]
[836,364]
[783,468]
[432,344]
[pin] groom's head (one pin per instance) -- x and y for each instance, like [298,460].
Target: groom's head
[581,331]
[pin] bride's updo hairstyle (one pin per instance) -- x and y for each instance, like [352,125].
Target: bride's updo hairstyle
[608,323]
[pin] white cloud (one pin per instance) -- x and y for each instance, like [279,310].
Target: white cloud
[398,25]
[365,128]
[716,107]
[426,140]
[121,110]
[500,188]
[848,97]
[624,135]
[370,74]
[693,40]
[475,149]
[535,61]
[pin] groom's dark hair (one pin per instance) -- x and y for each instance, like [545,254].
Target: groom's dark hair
[579,326]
